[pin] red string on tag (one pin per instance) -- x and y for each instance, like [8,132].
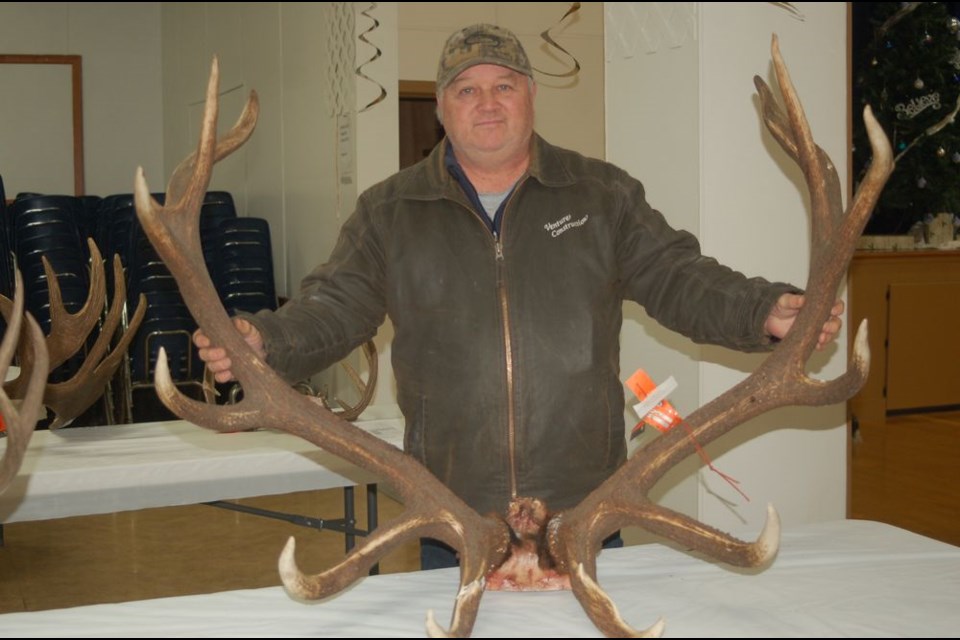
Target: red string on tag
[664,418]
[733,482]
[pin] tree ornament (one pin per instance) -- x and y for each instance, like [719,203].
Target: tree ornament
[917,106]
[953,24]
[918,83]
[874,62]
[922,182]
[955,157]
[927,38]
[941,152]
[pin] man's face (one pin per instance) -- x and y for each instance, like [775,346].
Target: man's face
[488,111]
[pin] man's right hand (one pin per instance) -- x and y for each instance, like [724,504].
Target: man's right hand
[216,357]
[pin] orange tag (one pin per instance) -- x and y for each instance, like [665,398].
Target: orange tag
[660,415]
[656,411]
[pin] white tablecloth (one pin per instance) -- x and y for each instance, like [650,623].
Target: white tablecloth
[849,578]
[93,470]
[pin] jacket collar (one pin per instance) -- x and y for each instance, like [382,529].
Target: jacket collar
[430,178]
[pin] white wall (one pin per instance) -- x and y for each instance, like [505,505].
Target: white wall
[684,121]
[120,47]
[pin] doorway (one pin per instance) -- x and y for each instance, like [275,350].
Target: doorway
[420,131]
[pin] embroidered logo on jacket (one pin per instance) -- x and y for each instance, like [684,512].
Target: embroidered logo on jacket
[564,224]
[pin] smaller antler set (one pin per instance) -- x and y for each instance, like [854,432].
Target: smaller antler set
[431,510]
[68,334]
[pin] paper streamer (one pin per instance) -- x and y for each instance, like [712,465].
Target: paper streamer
[376,54]
[574,7]
[789,8]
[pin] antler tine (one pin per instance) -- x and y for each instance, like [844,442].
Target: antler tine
[602,610]
[71,398]
[20,422]
[321,585]
[779,381]
[68,331]
[184,183]
[432,510]
[367,389]
[473,569]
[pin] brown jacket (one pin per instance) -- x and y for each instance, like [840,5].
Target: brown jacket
[506,352]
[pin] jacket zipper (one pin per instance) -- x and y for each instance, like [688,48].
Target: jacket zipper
[508,363]
[507,345]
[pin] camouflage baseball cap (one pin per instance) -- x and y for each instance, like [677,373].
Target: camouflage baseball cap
[481,44]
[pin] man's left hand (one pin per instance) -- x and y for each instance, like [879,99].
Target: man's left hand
[785,312]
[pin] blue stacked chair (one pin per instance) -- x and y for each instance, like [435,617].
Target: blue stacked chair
[89,219]
[243,269]
[116,216]
[217,207]
[48,226]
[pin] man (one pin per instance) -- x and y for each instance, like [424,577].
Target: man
[503,262]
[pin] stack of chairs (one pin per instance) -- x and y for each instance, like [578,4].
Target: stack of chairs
[239,259]
[167,323]
[217,207]
[238,255]
[115,217]
[243,265]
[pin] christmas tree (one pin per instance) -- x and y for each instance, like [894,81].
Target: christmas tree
[907,68]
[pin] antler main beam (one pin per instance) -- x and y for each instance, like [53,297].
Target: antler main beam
[781,380]
[432,510]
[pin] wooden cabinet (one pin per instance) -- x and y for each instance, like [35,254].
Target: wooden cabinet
[912,303]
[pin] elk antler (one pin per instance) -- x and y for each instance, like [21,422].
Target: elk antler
[68,333]
[432,510]
[21,420]
[781,380]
